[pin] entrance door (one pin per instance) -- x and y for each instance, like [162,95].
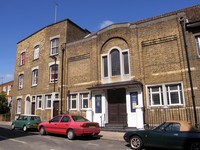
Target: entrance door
[117,106]
[55,108]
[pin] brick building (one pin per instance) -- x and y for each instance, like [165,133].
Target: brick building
[126,73]
[7,89]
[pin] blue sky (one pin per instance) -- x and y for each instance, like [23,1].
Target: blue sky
[20,18]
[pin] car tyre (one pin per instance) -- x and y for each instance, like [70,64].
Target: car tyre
[195,145]
[136,143]
[42,131]
[24,128]
[12,126]
[70,134]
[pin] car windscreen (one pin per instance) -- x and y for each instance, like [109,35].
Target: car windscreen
[79,119]
[35,118]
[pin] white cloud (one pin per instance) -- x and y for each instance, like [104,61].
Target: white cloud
[105,24]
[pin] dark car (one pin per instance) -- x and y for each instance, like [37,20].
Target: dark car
[169,135]
[70,125]
[26,122]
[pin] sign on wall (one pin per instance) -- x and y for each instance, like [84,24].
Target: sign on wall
[98,104]
[133,101]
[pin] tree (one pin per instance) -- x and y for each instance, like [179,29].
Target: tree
[3,104]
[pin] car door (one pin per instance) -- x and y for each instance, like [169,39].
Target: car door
[63,124]
[174,136]
[52,125]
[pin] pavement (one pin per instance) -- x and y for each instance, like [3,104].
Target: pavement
[107,135]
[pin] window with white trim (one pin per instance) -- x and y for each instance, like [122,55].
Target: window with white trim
[84,98]
[19,102]
[36,52]
[73,101]
[20,81]
[22,58]
[39,102]
[165,95]
[48,101]
[197,39]
[4,88]
[54,46]
[53,73]
[34,77]
[115,63]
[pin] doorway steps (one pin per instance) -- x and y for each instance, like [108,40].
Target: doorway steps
[117,128]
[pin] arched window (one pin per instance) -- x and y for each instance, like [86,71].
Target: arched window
[115,62]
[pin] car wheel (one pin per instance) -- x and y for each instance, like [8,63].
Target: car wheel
[70,134]
[136,143]
[24,128]
[42,131]
[195,145]
[12,126]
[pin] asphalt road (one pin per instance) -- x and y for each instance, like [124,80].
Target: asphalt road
[19,140]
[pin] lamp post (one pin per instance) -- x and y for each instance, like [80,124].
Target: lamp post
[182,22]
[54,81]
[63,47]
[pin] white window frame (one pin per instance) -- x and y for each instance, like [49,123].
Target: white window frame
[47,100]
[74,99]
[197,41]
[22,58]
[50,73]
[35,77]
[4,88]
[19,103]
[122,69]
[54,46]
[38,100]
[36,52]
[82,99]
[164,93]
[20,81]
[159,92]
[178,91]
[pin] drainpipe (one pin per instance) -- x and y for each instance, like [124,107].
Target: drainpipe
[63,47]
[182,22]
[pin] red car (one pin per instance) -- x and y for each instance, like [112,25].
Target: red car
[70,125]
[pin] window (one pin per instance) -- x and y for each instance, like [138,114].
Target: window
[54,46]
[53,73]
[39,102]
[20,81]
[115,62]
[165,95]
[48,101]
[73,102]
[65,119]
[9,89]
[4,88]
[197,38]
[34,77]
[84,100]
[19,106]
[22,58]
[56,119]
[155,96]
[126,62]
[174,94]
[36,52]
[105,66]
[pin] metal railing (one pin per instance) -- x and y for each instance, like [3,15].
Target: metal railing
[155,116]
